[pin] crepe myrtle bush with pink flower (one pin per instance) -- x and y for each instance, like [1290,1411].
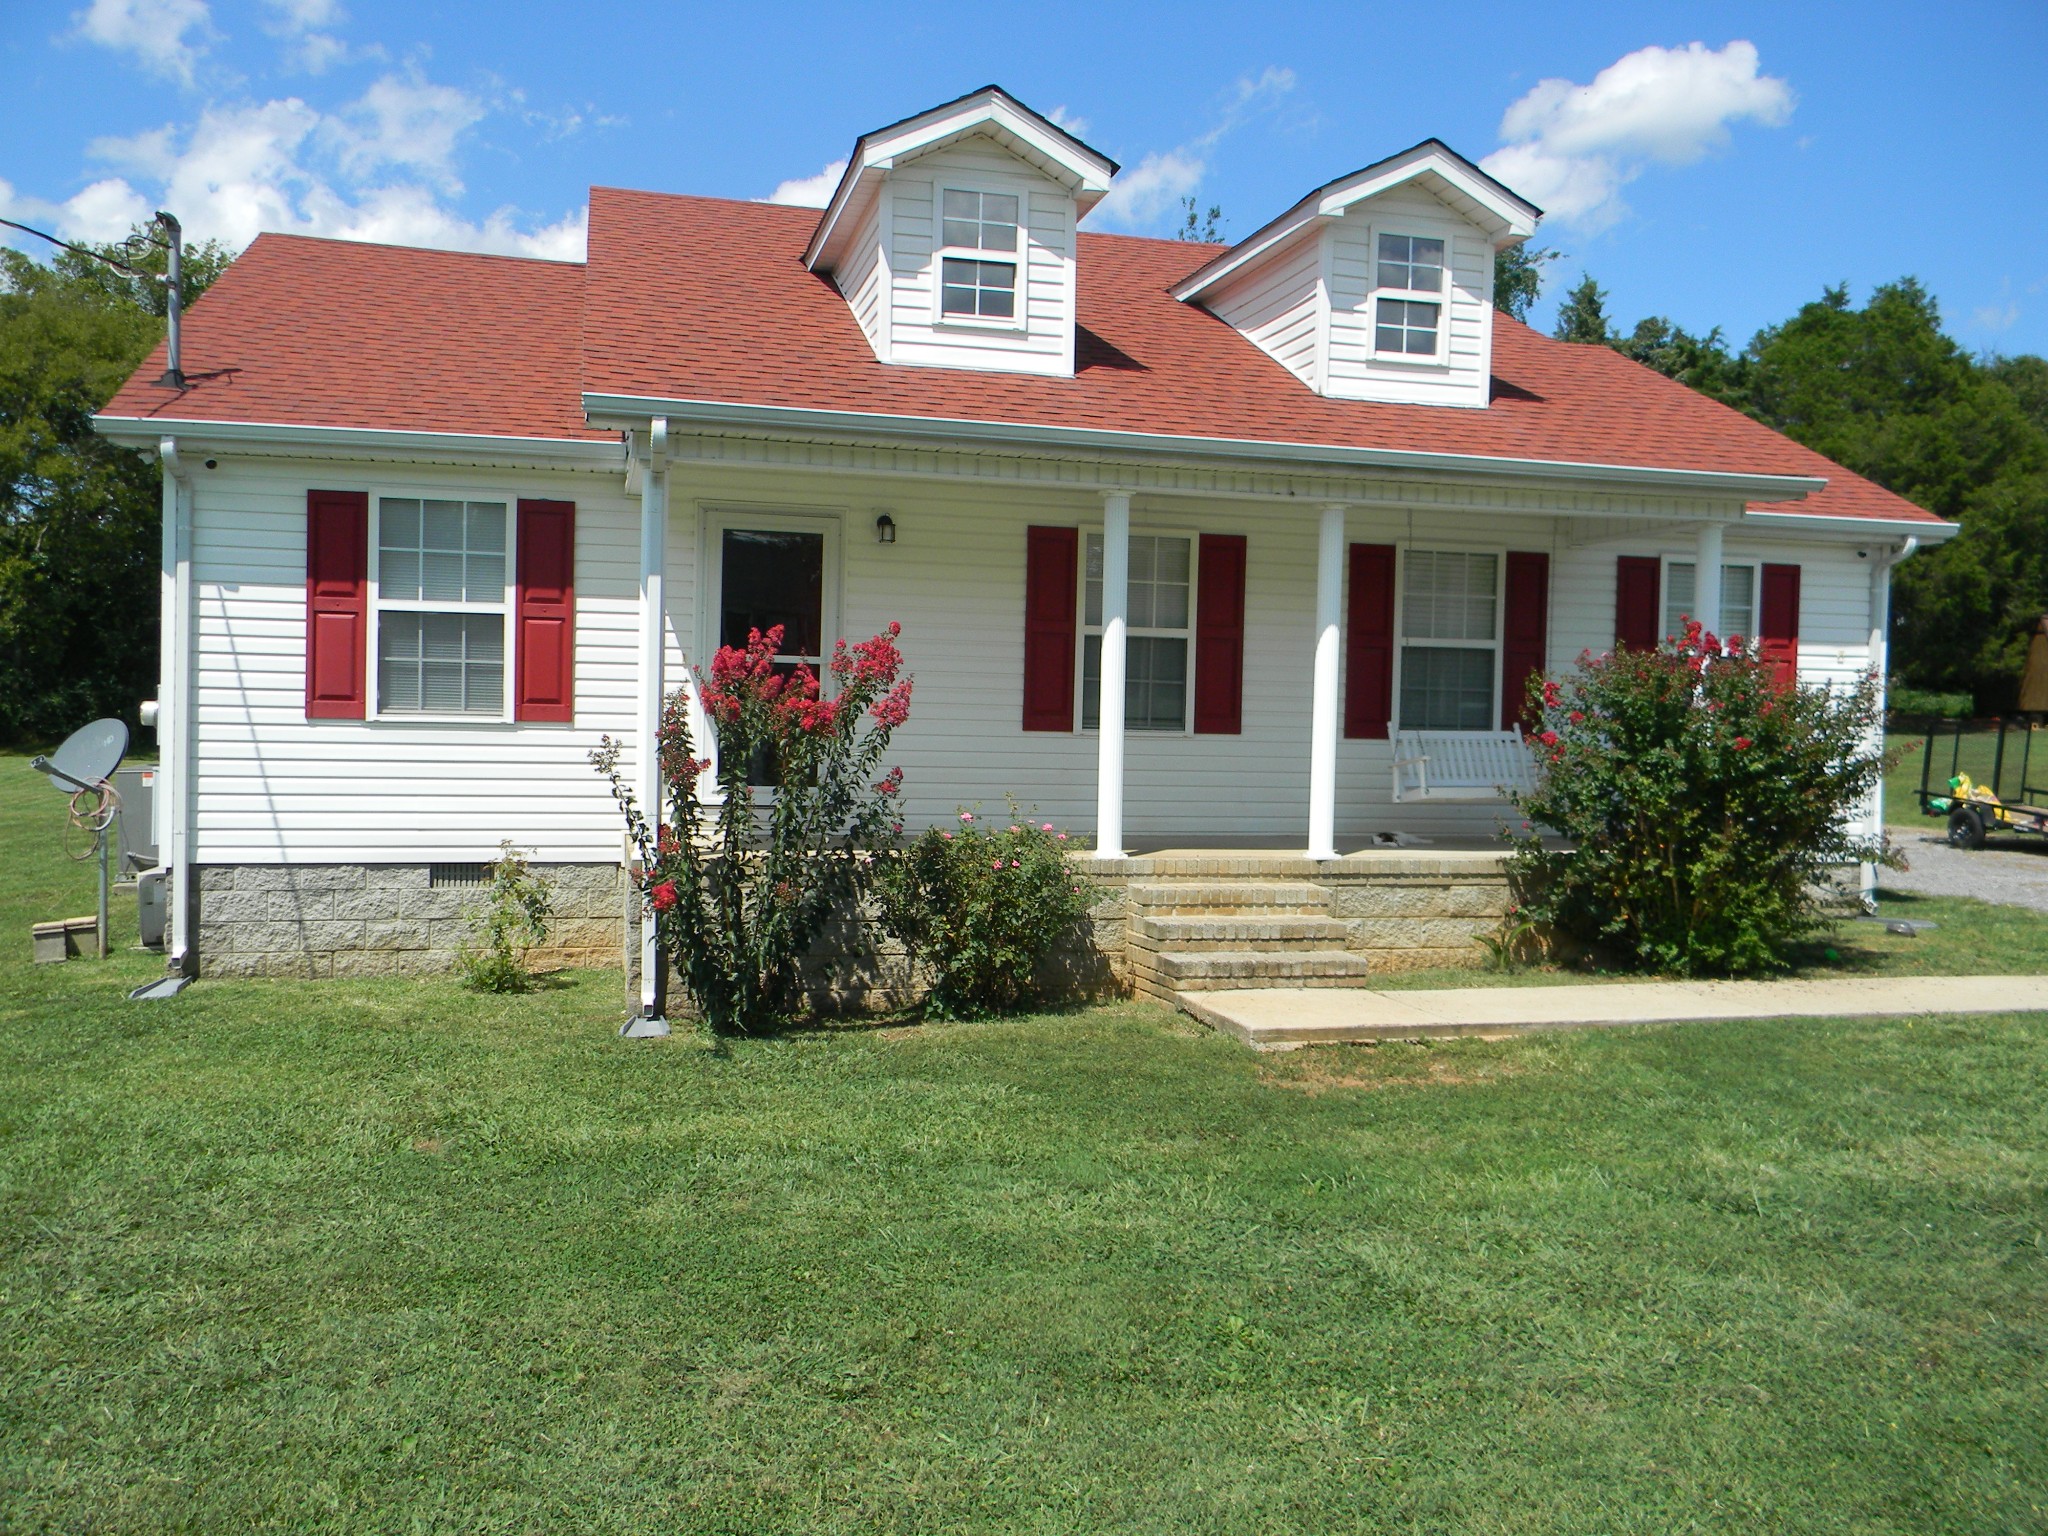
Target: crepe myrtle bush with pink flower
[742,888]
[980,906]
[1707,800]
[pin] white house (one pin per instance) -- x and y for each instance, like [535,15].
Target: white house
[436,522]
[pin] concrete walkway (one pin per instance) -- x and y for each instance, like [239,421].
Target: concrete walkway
[1280,1019]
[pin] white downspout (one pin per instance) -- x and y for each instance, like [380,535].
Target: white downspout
[174,710]
[1880,663]
[653,613]
[1322,726]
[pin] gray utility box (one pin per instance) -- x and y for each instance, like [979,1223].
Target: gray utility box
[137,789]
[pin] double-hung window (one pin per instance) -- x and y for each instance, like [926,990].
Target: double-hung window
[979,255]
[441,610]
[1156,649]
[1450,640]
[1738,597]
[1408,296]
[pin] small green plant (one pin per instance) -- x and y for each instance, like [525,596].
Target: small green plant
[980,908]
[510,922]
[1707,799]
[1513,944]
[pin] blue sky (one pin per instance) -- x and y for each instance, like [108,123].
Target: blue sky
[1796,146]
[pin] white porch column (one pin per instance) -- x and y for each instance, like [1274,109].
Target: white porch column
[1706,580]
[1322,727]
[653,610]
[1109,770]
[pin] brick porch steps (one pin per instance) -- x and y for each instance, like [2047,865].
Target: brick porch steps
[1207,934]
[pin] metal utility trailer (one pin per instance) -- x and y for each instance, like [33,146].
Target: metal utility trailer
[2011,799]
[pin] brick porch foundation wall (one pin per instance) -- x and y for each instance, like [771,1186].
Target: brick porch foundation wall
[1410,911]
[383,919]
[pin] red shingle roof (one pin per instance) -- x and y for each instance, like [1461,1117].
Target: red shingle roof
[703,299]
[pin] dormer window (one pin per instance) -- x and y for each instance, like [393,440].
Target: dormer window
[978,256]
[1405,325]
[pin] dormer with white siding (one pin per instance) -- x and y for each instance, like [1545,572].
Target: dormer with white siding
[1378,286]
[952,236]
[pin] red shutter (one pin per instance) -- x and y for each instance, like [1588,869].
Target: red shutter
[337,603]
[1219,635]
[545,612]
[1637,600]
[1369,643]
[1778,620]
[1052,559]
[1525,632]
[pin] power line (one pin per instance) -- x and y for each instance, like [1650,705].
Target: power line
[101,256]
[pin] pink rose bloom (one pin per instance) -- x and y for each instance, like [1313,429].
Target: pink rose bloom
[997,866]
[967,815]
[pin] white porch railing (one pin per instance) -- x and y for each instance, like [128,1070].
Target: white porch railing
[1461,765]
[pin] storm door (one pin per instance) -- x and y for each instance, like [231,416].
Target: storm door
[769,569]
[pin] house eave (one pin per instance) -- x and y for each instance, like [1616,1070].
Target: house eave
[1854,530]
[291,439]
[625,411]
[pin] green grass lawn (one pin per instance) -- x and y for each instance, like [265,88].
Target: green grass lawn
[387,1257]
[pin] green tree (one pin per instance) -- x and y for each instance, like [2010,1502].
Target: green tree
[78,516]
[1518,278]
[1197,225]
[1582,317]
[1699,362]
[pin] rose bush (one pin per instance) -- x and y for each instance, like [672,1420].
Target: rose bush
[980,907]
[741,889]
[1707,803]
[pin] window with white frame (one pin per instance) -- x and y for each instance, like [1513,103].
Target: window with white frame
[1738,597]
[979,240]
[1408,286]
[1450,640]
[1159,611]
[441,612]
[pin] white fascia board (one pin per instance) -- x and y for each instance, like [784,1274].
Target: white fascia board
[1514,218]
[1852,529]
[624,411]
[1086,174]
[292,440]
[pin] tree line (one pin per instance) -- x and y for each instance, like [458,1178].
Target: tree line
[1881,389]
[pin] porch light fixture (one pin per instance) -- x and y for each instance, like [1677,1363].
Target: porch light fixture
[885,528]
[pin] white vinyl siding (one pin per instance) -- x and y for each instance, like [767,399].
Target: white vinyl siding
[273,786]
[864,279]
[1278,308]
[1039,338]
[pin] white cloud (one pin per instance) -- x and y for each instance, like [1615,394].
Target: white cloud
[168,37]
[809,191]
[1073,122]
[1572,148]
[302,26]
[1158,182]
[410,124]
[379,169]
[1997,317]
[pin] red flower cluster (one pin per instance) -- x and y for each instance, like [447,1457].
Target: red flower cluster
[663,896]
[874,661]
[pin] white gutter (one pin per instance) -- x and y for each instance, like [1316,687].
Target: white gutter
[1915,531]
[629,410]
[292,438]
[174,708]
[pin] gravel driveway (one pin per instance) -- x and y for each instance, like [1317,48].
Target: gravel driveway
[2012,870]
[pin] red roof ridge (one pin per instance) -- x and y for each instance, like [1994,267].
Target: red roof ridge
[269,236]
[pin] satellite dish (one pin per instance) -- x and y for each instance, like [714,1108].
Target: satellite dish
[88,757]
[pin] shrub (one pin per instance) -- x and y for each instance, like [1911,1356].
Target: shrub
[1708,803]
[1924,702]
[742,890]
[511,922]
[981,909]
